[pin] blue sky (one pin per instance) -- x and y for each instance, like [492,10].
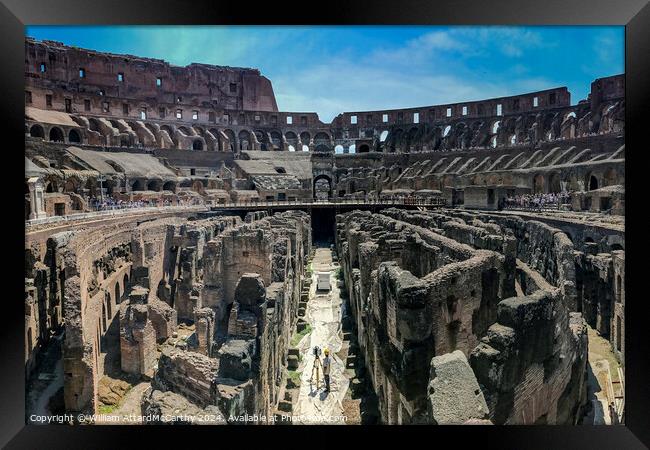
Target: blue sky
[332,69]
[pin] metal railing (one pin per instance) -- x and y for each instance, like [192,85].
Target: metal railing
[119,210]
[330,201]
[112,213]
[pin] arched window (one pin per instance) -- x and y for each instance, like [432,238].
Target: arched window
[338,149]
[137,186]
[593,183]
[37,131]
[364,148]
[73,136]
[56,135]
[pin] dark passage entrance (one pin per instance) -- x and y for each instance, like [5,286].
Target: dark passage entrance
[323,225]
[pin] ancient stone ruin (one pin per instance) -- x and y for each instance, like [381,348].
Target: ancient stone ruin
[175,231]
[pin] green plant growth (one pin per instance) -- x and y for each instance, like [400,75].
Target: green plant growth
[107,409]
[294,378]
[339,274]
[298,336]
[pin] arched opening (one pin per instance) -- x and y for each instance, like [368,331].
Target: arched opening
[197,144]
[73,136]
[137,185]
[364,148]
[244,140]
[56,135]
[538,184]
[445,133]
[276,140]
[554,184]
[305,148]
[104,321]
[153,185]
[593,183]
[37,131]
[108,306]
[352,148]
[616,246]
[609,177]
[305,138]
[292,148]
[495,126]
[322,148]
[322,187]
[383,136]
[321,139]
[231,139]
[169,186]
[118,295]
[338,149]
[619,287]
[70,185]
[589,240]
[125,285]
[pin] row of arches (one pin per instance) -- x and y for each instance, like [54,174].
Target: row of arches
[555,182]
[55,134]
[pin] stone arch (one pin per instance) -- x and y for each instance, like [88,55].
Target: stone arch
[554,184]
[329,183]
[305,137]
[168,129]
[322,138]
[245,140]
[71,184]
[104,318]
[118,293]
[74,136]
[109,308]
[231,138]
[538,184]
[364,148]
[125,285]
[169,186]
[197,144]
[56,135]
[276,139]
[137,185]
[197,186]
[37,131]
[154,185]
[591,182]
[609,177]
[322,148]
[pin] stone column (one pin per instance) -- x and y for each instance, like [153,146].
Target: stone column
[36,206]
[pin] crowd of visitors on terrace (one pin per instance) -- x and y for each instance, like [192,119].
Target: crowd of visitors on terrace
[551,200]
[109,203]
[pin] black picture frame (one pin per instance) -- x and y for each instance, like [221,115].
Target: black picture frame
[634,14]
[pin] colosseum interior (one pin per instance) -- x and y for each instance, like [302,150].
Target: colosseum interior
[178,225]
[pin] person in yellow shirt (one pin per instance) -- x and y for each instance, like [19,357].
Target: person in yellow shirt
[327,362]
